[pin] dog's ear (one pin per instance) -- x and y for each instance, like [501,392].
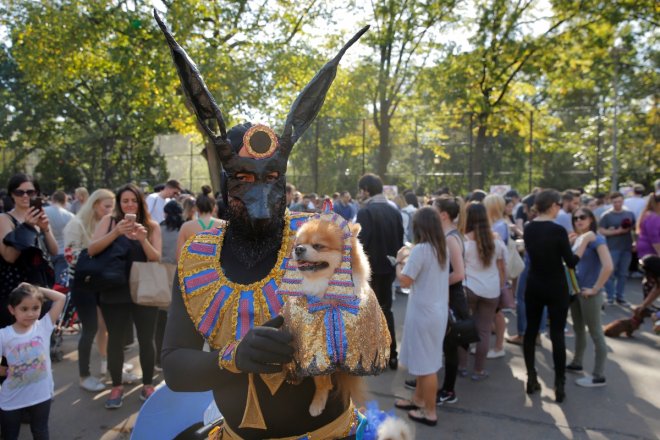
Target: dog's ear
[355,229]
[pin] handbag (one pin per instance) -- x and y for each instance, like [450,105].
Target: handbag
[506,297]
[151,283]
[514,262]
[462,331]
[103,272]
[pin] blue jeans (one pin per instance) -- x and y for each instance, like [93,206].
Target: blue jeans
[10,421]
[617,282]
[520,304]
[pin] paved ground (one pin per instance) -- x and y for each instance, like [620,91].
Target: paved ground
[498,408]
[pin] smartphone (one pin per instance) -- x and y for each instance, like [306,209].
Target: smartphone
[130,217]
[37,203]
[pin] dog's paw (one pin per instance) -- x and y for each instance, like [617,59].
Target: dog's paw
[317,406]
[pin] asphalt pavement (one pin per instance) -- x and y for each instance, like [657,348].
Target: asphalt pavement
[496,408]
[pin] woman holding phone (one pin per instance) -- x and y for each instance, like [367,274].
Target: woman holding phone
[131,227]
[24,235]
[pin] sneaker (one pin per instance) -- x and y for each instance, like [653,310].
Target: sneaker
[128,378]
[622,302]
[127,367]
[147,391]
[445,397]
[515,340]
[463,372]
[477,377]
[91,383]
[116,398]
[494,354]
[591,381]
[411,384]
[573,368]
[610,302]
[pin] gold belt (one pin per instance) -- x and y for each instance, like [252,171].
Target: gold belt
[338,428]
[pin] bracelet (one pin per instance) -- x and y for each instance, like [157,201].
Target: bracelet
[227,357]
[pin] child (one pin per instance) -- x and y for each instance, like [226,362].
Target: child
[26,345]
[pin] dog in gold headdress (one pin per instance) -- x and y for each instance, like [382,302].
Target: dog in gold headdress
[338,328]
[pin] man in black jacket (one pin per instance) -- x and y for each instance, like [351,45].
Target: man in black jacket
[381,235]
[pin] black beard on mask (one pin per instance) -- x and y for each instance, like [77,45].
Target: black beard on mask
[251,242]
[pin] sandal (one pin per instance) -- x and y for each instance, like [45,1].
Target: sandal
[419,415]
[405,405]
[480,376]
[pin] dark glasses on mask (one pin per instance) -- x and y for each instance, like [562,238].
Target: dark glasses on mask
[580,217]
[21,193]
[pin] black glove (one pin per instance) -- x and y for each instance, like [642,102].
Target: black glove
[265,348]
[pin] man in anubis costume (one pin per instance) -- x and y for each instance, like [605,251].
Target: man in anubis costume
[226,289]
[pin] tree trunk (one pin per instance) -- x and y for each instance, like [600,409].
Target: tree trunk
[106,162]
[479,148]
[384,147]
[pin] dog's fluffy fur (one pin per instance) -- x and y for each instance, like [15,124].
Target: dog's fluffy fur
[317,252]
[625,325]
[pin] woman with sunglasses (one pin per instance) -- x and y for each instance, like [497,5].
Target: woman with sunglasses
[592,271]
[24,227]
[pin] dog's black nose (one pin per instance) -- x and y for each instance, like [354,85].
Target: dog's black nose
[299,250]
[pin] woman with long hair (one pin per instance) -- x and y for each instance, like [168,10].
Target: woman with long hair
[450,208]
[548,249]
[485,274]
[426,272]
[206,207]
[648,227]
[592,271]
[495,207]
[142,240]
[21,228]
[77,236]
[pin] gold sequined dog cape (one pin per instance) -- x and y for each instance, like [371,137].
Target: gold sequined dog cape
[343,331]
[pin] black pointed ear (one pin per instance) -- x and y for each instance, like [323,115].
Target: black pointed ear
[194,87]
[309,102]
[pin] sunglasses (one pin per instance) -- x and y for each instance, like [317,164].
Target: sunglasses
[580,217]
[21,193]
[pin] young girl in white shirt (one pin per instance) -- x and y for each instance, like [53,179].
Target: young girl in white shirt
[26,345]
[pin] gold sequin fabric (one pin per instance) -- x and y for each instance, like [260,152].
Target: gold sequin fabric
[367,348]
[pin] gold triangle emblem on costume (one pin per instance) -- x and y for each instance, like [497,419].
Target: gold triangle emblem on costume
[273,381]
[252,417]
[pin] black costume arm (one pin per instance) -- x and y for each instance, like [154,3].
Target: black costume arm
[185,366]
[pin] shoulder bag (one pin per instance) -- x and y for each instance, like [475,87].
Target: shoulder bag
[103,272]
[151,283]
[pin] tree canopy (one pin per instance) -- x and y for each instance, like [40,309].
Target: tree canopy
[527,93]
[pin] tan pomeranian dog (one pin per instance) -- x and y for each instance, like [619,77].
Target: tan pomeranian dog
[318,253]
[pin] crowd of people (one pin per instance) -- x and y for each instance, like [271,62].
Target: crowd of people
[468,259]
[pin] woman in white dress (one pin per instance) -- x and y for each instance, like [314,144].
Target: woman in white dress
[424,269]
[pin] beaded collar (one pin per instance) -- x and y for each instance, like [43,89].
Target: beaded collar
[221,309]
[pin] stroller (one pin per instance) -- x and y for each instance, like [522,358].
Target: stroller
[67,321]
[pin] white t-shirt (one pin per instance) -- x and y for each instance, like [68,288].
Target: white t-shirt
[483,281]
[156,207]
[29,376]
[635,204]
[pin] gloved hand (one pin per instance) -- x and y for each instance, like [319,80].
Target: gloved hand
[265,348]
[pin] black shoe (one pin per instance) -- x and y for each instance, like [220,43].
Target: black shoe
[445,397]
[394,363]
[533,384]
[411,384]
[573,368]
